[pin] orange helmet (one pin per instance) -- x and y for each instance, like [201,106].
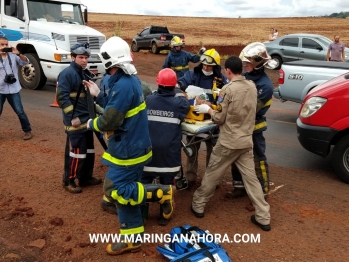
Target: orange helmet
[166,77]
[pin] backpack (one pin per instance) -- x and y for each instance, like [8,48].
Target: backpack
[189,244]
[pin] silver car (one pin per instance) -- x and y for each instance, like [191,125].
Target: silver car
[300,46]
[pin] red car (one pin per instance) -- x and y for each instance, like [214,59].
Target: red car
[323,122]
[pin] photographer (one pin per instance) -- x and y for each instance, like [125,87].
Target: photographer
[9,83]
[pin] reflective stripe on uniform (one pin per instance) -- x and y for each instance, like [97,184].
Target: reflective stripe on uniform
[71,128]
[264,175]
[68,109]
[95,126]
[176,68]
[132,202]
[268,103]
[90,151]
[127,162]
[135,110]
[161,169]
[132,231]
[164,119]
[260,125]
[77,155]
[74,94]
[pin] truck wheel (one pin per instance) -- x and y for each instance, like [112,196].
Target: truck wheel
[278,60]
[154,49]
[31,75]
[340,159]
[134,47]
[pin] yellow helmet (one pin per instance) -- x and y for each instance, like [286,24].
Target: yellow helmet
[176,41]
[210,57]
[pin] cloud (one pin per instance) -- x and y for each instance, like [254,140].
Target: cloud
[220,8]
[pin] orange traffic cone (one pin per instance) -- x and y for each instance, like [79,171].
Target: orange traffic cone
[55,104]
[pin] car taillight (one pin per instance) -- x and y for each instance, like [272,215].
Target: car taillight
[281,79]
[183,39]
[163,38]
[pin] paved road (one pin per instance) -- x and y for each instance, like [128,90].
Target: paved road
[283,148]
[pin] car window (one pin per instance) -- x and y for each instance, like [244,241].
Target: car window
[145,32]
[310,44]
[288,41]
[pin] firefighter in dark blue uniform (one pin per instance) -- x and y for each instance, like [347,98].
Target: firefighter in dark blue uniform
[207,76]
[179,59]
[82,154]
[255,59]
[125,124]
[166,111]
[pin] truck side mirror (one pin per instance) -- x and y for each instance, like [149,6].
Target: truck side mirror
[85,15]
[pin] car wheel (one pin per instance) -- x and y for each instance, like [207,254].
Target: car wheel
[278,61]
[340,158]
[154,49]
[134,47]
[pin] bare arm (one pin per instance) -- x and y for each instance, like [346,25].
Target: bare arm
[343,54]
[328,55]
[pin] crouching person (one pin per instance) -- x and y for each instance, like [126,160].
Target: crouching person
[166,110]
[125,121]
[236,110]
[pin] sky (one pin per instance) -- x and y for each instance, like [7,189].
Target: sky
[220,8]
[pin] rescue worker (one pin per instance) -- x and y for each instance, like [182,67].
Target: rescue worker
[208,76]
[75,115]
[255,58]
[166,110]
[125,124]
[178,59]
[236,107]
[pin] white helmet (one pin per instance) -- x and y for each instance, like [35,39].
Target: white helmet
[115,51]
[256,54]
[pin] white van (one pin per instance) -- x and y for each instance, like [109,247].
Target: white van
[44,31]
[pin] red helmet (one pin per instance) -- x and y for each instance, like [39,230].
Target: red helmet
[166,77]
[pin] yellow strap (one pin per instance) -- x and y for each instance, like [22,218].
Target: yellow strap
[127,162]
[132,231]
[179,67]
[71,128]
[135,110]
[74,94]
[260,125]
[68,109]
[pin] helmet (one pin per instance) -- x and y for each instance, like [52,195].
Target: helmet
[210,57]
[256,54]
[115,51]
[81,49]
[176,41]
[166,77]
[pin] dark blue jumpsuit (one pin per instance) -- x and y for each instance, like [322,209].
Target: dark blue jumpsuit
[264,98]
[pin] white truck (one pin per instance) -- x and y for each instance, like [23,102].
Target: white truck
[297,78]
[44,31]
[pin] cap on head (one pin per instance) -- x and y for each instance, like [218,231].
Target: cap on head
[115,51]
[166,77]
[210,57]
[81,49]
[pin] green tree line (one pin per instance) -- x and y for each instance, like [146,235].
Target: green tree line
[339,15]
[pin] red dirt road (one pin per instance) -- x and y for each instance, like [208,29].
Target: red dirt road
[39,221]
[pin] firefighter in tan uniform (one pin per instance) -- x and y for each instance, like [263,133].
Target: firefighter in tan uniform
[236,111]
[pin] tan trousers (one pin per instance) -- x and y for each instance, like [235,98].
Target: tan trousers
[220,160]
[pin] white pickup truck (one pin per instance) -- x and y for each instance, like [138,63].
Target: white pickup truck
[297,78]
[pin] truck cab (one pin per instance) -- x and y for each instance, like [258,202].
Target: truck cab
[323,122]
[44,31]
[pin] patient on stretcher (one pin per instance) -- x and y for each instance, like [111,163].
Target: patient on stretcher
[193,117]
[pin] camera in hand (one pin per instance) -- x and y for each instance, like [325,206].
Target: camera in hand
[10,79]
[7,49]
